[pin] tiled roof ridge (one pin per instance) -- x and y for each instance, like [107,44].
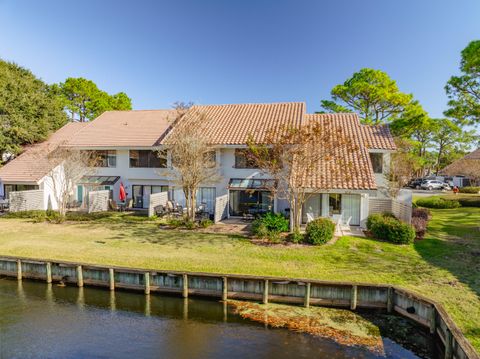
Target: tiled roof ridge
[252,103]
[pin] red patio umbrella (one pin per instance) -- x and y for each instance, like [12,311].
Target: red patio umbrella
[122,195]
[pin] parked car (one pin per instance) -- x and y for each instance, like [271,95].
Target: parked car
[415,183]
[434,184]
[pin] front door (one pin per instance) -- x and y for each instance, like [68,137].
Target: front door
[137,196]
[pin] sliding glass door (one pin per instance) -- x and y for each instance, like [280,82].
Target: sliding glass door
[250,202]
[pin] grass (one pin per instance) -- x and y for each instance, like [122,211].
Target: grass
[444,266]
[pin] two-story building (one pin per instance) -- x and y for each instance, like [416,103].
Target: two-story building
[127,144]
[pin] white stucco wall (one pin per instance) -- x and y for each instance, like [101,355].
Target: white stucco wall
[381,178]
[226,165]
[47,184]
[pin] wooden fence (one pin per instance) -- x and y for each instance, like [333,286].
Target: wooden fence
[265,289]
[26,200]
[98,201]
[401,210]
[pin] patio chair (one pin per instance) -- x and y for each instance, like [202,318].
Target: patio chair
[337,219]
[113,205]
[159,210]
[310,217]
[129,203]
[347,223]
[170,207]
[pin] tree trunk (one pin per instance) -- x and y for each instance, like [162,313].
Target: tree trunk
[194,204]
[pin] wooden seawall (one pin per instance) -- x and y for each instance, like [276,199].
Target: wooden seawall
[265,289]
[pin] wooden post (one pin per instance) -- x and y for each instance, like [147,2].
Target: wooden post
[19,269]
[306,300]
[49,272]
[433,317]
[185,286]
[390,299]
[79,276]
[111,277]
[224,289]
[448,344]
[353,298]
[147,282]
[265,292]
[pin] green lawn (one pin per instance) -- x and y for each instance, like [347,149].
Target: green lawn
[445,266]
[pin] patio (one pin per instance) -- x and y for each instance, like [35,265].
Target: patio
[229,226]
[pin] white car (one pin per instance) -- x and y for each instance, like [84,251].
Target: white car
[434,184]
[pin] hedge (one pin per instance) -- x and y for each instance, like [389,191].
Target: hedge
[437,202]
[469,189]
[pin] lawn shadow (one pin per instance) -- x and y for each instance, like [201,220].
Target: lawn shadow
[152,233]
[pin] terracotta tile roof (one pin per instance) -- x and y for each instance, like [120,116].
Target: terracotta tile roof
[125,129]
[232,124]
[32,165]
[350,167]
[378,137]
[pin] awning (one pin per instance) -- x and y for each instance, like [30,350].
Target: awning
[99,180]
[244,183]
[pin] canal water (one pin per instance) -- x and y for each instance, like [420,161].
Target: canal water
[39,320]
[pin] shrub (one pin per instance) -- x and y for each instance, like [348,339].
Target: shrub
[175,222]
[205,223]
[190,224]
[390,229]
[373,219]
[437,202]
[35,215]
[420,225]
[469,201]
[270,226]
[54,216]
[275,222]
[86,217]
[421,213]
[296,237]
[259,229]
[319,231]
[469,189]
[389,215]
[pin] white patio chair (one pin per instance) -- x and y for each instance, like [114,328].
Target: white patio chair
[337,219]
[310,217]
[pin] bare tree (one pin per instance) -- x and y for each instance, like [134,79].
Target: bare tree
[69,166]
[295,156]
[403,166]
[193,161]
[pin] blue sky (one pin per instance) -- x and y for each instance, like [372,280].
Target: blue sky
[212,51]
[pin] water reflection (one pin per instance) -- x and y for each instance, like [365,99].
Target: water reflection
[48,321]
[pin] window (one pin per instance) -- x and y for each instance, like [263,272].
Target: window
[206,197]
[243,160]
[377,162]
[210,158]
[17,187]
[158,189]
[104,158]
[334,203]
[147,159]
